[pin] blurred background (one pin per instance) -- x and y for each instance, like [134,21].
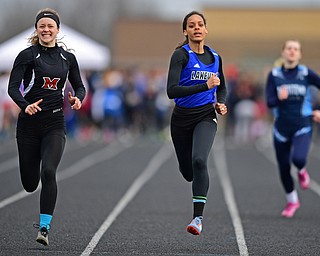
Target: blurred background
[124,48]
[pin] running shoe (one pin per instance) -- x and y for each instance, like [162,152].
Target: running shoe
[304,179]
[195,226]
[42,236]
[290,209]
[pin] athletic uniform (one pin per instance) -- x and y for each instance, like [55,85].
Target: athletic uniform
[293,117]
[41,73]
[194,121]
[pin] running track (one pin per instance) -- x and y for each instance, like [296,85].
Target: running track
[128,198]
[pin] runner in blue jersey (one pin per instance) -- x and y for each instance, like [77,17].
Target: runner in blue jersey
[196,83]
[288,94]
[42,71]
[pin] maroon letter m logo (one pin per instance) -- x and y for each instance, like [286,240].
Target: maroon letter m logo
[50,84]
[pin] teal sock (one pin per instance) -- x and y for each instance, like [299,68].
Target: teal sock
[45,220]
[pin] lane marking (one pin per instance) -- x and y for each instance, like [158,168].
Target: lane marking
[155,163]
[219,155]
[13,162]
[98,156]
[16,197]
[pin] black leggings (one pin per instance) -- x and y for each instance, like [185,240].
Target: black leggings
[294,151]
[38,147]
[192,149]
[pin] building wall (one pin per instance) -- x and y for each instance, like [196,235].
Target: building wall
[253,38]
[145,42]
[250,38]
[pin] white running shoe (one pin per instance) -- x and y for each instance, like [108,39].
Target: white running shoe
[195,226]
[42,236]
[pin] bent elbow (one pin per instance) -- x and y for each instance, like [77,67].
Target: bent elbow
[170,95]
[10,92]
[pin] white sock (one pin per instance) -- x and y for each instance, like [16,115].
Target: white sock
[292,197]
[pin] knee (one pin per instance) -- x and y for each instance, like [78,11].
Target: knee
[30,186]
[187,174]
[188,178]
[198,163]
[48,174]
[299,162]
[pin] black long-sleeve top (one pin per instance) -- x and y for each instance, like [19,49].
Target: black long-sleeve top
[43,72]
[179,60]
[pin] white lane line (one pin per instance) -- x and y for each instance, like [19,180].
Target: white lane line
[155,163]
[16,197]
[314,186]
[82,165]
[14,161]
[99,156]
[219,156]
[265,148]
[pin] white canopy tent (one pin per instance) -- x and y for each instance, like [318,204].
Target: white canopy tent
[90,54]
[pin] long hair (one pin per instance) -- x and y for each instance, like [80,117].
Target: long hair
[184,25]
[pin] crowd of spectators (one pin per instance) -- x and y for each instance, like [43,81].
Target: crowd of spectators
[121,101]
[125,100]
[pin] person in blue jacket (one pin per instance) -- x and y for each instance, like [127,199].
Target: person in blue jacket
[196,83]
[289,95]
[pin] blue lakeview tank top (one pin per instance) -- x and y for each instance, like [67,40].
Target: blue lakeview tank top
[194,73]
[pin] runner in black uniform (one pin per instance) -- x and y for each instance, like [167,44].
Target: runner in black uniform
[196,83]
[42,71]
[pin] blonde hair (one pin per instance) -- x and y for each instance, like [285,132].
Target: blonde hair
[34,39]
[278,62]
